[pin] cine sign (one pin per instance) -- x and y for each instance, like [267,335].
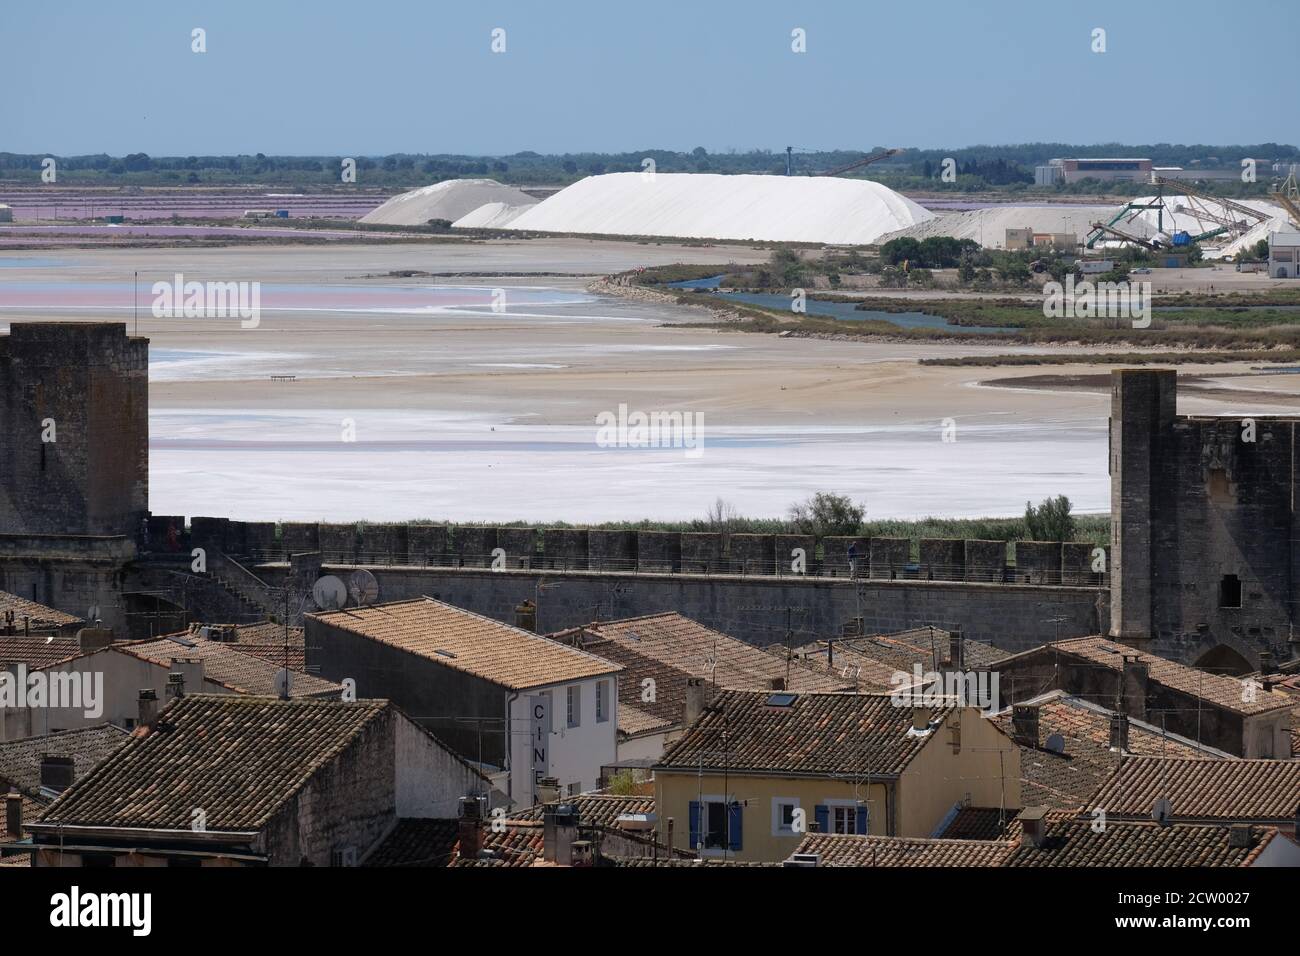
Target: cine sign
[539,709]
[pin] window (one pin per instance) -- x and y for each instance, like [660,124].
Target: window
[844,819]
[602,701]
[783,809]
[716,824]
[1230,591]
[841,816]
[575,705]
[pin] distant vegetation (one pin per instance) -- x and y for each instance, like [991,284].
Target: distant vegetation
[1007,169]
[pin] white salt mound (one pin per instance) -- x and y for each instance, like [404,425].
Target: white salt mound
[989,226]
[1144,224]
[710,206]
[492,215]
[448,200]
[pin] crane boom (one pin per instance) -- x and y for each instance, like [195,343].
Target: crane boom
[864,161]
[1191,190]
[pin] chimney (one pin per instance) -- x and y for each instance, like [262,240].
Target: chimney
[94,638]
[148,707]
[697,698]
[14,815]
[1033,826]
[559,833]
[957,649]
[1241,836]
[57,773]
[1024,724]
[830,654]
[1267,665]
[1119,732]
[1133,687]
[187,673]
[470,828]
[921,719]
[776,683]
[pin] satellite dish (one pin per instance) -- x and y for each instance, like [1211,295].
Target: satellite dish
[329,593]
[1162,811]
[1056,744]
[363,588]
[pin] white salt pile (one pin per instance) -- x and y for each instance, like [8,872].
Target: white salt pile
[492,215]
[1219,247]
[449,200]
[709,206]
[989,226]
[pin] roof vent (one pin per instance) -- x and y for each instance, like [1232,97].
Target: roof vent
[443,653]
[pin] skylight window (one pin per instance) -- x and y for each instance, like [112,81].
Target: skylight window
[781,700]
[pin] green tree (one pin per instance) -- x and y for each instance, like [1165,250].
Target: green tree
[1050,520]
[826,513]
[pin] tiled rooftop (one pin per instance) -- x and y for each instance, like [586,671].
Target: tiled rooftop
[597,809]
[265,639]
[1226,790]
[37,652]
[460,640]
[839,850]
[20,760]
[978,823]
[237,758]
[669,648]
[39,615]
[1066,780]
[1221,690]
[243,673]
[815,734]
[417,842]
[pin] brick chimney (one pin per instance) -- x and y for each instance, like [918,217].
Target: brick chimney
[14,815]
[94,638]
[776,683]
[148,707]
[1024,724]
[921,718]
[470,828]
[957,649]
[57,772]
[1033,826]
[1119,732]
[698,694]
[559,833]
[1133,687]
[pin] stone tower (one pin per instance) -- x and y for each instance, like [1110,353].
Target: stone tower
[1205,531]
[74,429]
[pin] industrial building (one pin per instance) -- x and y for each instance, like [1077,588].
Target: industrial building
[1284,255]
[1073,170]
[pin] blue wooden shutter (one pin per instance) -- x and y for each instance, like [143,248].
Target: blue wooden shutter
[695,824]
[734,814]
[860,820]
[822,814]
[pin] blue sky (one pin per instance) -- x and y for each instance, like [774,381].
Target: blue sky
[353,78]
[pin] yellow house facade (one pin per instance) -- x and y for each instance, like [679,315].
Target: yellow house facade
[759,771]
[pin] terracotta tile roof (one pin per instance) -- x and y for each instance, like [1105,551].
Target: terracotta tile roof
[841,850]
[598,809]
[20,760]
[632,720]
[237,758]
[927,646]
[1224,790]
[264,639]
[978,823]
[669,649]
[693,649]
[1072,842]
[39,614]
[817,734]
[519,844]
[1066,780]
[38,652]
[242,673]
[1221,690]
[31,810]
[460,640]
[417,842]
